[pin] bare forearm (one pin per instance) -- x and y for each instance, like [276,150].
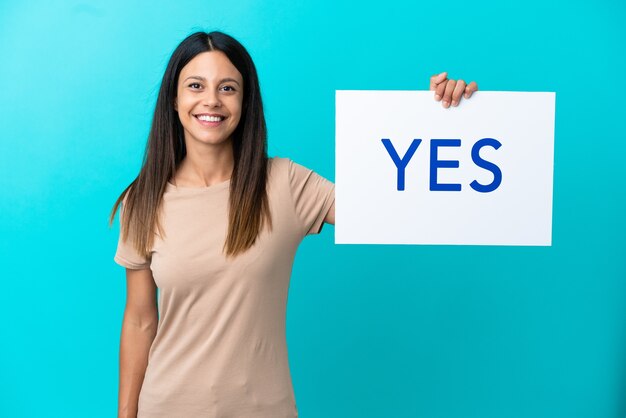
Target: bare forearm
[330,216]
[135,343]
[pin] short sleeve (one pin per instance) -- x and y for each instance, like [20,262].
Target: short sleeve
[126,255]
[313,196]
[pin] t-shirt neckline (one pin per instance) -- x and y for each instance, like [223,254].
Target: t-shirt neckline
[184,189]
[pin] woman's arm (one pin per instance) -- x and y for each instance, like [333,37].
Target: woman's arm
[138,331]
[330,216]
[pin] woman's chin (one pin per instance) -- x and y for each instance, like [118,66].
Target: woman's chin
[211,140]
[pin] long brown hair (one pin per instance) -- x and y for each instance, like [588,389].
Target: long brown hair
[248,202]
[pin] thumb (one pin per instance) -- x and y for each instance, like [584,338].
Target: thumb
[437,79]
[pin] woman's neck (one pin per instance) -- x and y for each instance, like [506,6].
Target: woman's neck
[206,166]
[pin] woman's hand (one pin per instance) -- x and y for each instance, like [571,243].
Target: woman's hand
[451,90]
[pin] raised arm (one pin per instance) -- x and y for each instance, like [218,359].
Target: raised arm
[138,331]
[330,216]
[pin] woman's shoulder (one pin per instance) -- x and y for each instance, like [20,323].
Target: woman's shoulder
[286,167]
[279,165]
[283,170]
[278,161]
[285,163]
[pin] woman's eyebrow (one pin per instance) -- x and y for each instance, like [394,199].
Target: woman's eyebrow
[197,77]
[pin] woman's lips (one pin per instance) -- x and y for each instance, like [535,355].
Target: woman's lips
[207,123]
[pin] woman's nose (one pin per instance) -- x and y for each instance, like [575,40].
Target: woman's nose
[211,99]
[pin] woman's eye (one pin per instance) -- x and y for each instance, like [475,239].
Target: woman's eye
[228,88]
[194,85]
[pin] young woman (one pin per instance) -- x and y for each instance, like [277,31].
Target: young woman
[214,224]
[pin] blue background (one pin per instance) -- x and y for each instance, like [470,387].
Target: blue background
[373,331]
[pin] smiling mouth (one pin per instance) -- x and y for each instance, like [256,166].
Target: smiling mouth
[209,118]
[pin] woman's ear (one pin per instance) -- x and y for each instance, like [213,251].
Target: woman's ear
[176,104]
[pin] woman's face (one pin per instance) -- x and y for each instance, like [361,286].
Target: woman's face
[209,98]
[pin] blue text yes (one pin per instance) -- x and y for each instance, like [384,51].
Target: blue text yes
[436,163]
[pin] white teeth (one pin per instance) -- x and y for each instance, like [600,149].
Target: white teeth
[209,118]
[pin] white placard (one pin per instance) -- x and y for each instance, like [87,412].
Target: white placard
[507,132]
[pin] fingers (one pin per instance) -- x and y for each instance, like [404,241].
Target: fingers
[447,94]
[471,88]
[436,79]
[458,92]
[450,92]
[440,89]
